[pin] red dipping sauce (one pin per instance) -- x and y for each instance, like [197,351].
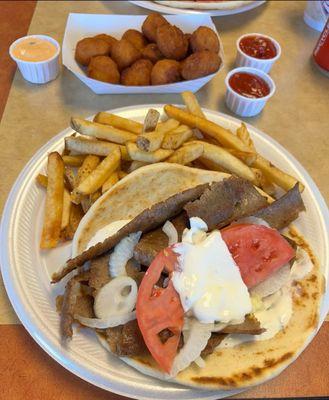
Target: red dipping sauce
[258,47]
[249,85]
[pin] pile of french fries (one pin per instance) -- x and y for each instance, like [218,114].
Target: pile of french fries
[102,152]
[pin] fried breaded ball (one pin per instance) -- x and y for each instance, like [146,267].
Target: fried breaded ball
[108,38]
[135,38]
[124,54]
[204,38]
[104,69]
[151,52]
[139,74]
[90,47]
[171,42]
[165,71]
[151,24]
[199,64]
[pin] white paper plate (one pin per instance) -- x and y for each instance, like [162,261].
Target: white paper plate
[79,26]
[151,5]
[26,270]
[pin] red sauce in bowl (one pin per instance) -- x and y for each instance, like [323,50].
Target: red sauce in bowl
[249,85]
[258,47]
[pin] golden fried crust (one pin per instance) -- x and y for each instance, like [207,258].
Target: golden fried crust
[165,71]
[151,52]
[108,38]
[204,38]
[135,38]
[172,42]
[150,25]
[104,69]
[200,64]
[90,47]
[124,54]
[139,74]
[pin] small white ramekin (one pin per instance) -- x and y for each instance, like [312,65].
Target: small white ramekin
[244,60]
[38,71]
[245,106]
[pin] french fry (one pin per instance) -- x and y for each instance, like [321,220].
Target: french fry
[186,154]
[263,183]
[243,134]
[119,122]
[275,175]
[110,181]
[270,171]
[151,141]
[210,165]
[54,202]
[135,165]
[175,138]
[94,196]
[42,180]
[151,120]
[122,174]
[247,157]
[73,161]
[89,165]
[69,178]
[94,146]
[76,214]
[66,209]
[101,131]
[100,174]
[192,104]
[225,160]
[217,132]
[149,157]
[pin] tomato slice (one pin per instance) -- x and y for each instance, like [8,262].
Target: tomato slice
[158,309]
[257,250]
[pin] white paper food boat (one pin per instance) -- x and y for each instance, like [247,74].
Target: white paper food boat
[79,26]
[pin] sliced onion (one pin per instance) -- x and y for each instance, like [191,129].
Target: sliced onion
[196,339]
[170,230]
[122,253]
[109,322]
[302,266]
[251,220]
[114,298]
[273,283]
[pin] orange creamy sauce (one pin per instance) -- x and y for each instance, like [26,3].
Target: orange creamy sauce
[34,50]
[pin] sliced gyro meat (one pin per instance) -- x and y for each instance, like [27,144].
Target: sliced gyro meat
[147,220]
[226,201]
[283,211]
[153,242]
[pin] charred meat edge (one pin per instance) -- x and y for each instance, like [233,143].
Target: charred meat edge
[147,220]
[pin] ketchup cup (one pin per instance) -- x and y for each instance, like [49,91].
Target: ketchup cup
[246,106]
[245,60]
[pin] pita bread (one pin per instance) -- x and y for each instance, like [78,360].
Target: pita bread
[227,368]
[214,5]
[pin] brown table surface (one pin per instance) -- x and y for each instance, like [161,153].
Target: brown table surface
[297,117]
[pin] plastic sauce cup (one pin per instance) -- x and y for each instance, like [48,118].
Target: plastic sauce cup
[38,71]
[245,106]
[244,60]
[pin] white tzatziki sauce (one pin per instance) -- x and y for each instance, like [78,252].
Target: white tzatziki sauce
[207,279]
[107,231]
